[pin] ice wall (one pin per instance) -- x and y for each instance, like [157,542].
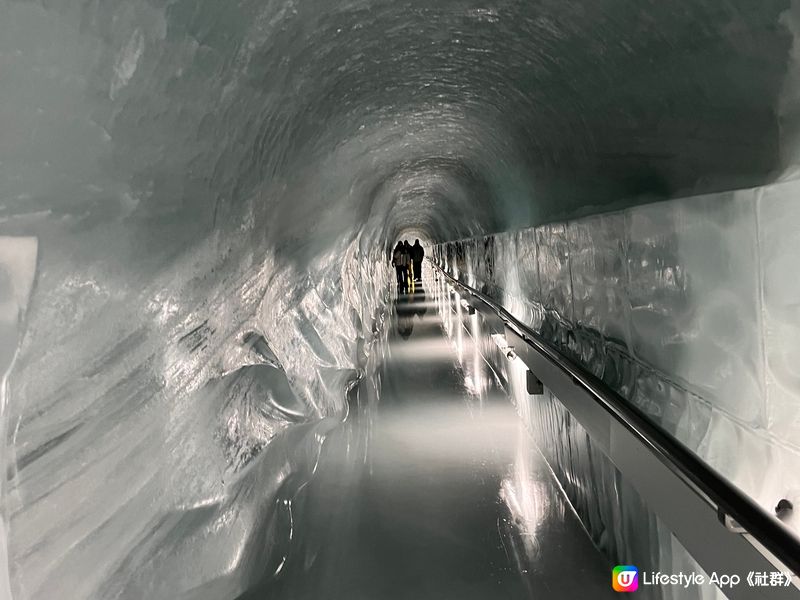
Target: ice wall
[178,371]
[17,270]
[683,307]
[154,433]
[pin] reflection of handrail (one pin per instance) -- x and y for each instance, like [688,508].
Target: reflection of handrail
[728,500]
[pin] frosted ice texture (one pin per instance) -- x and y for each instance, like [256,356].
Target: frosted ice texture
[687,308]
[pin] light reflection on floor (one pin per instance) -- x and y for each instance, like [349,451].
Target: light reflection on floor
[438,493]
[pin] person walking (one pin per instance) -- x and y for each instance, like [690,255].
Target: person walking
[409,264]
[417,254]
[399,264]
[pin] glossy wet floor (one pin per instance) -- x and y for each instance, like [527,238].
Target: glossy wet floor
[438,495]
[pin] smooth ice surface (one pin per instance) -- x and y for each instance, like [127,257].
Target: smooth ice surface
[683,307]
[212,187]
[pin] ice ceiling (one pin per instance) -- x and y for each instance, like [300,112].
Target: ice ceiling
[452,116]
[212,186]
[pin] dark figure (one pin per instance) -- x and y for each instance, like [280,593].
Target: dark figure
[417,254]
[409,262]
[400,265]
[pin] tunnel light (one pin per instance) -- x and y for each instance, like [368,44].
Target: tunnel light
[467,306]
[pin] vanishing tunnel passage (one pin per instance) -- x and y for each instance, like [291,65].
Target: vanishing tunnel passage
[214,387]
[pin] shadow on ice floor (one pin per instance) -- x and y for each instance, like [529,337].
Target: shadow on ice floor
[437,492]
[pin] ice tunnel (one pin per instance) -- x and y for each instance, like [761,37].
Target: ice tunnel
[216,385]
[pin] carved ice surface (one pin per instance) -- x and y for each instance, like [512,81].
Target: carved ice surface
[169,448]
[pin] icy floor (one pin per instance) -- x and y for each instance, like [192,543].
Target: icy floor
[428,508]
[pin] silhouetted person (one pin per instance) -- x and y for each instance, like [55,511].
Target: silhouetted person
[409,262]
[417,254]
[400,265]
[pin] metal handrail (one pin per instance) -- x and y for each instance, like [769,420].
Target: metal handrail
[727,499]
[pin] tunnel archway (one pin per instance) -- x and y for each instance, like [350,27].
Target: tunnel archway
[213,190]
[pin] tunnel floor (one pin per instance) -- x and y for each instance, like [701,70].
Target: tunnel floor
[420,513]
